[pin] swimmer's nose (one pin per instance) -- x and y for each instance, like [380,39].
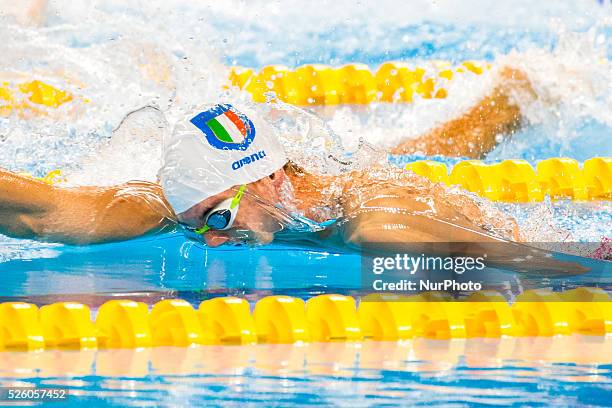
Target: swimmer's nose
[214,240]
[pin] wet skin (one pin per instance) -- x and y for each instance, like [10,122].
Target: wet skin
[378,205]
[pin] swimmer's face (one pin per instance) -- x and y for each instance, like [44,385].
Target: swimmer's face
[252,220]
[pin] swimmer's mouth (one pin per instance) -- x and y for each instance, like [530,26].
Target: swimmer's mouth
[244,240]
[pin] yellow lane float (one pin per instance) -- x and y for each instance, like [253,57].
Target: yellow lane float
[385,317]
[333,318]
[52,178]
[562,177]
[123,323]
[515,181]
[68,325]
[312,84]
[20,327]
[323,318]
[597,173]
[227,320]
[175,323]
[317,84]
[31,97]
[281,319]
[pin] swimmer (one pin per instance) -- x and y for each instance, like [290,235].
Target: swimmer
[224,167]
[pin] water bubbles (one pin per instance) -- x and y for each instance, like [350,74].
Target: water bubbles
[601,39]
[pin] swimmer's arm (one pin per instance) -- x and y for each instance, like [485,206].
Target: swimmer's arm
[384,221]
[127,211]
[386,233]
[32,209]
[418,211]
[482,127]
[24,202]
[380,229]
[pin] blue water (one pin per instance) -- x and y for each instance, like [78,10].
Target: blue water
[92,42]
[171,266]
[419,373]
[426,41]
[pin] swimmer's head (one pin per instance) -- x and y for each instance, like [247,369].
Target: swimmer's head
[211,153]
[253,221]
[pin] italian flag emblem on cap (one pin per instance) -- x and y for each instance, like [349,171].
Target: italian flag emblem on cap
[228,127]
[225,127]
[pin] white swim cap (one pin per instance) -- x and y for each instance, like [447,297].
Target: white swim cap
[214,149]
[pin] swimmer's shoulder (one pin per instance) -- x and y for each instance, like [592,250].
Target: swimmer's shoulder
[144,196]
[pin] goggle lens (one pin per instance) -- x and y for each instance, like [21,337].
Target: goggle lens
[219,220]
[222,218]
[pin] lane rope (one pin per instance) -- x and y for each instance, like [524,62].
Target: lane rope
[285,319]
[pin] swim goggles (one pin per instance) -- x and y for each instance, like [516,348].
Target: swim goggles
[221,217]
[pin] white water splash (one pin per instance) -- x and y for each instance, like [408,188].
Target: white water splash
[123,56]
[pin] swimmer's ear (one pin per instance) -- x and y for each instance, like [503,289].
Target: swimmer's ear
[277,178]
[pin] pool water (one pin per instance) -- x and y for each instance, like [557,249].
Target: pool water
[568,371]
[122,56]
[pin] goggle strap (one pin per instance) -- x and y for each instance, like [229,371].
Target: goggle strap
[238,197]
[202,229]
